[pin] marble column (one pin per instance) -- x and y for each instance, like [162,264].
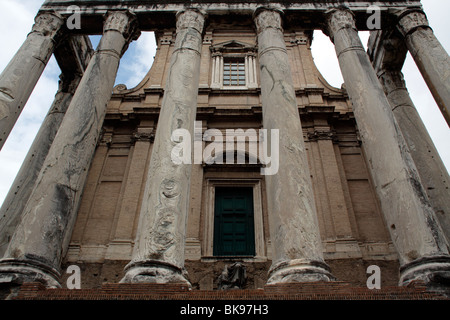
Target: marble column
[158,255]
[430,56]
[23,184]
[421,245]
[432,171]
[41,239]
[297,254]
[20,76]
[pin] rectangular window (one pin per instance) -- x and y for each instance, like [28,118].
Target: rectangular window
[234,233]
[233,72]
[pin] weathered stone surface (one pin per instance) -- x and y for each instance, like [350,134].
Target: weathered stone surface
[431,169]
[73,56]
[42,236]
[430,56]
[15,201]
[297,251]
[19,78]
[158,254]
[412,223]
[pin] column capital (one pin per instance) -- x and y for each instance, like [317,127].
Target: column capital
[124,22]
[391,80]
[47,24]
[191,18]
[267,17]
[338,19]
[410,20]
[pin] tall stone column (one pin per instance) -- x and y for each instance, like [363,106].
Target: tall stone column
[296,243]
[431,58]
[42,237]
[20,76]
[23,184]
[415,231]
[431,169]
[158,255]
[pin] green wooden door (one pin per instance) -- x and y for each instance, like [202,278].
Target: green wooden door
[234,233]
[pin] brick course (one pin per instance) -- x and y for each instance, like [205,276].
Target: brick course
[288,291]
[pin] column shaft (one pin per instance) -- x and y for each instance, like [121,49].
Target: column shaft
[20,76]
[420,243]
[158,254]
[430,56]
[432,171]
[23,184]
[42,237]
[296,243]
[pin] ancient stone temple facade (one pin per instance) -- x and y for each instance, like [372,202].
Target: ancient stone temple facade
[233,150]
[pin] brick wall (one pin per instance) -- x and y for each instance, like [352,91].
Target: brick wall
[289,291]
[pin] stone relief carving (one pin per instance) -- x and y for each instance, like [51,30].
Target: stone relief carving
[233,277]
[162,237]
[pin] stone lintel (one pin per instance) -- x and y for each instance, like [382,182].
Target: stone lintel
[162,14]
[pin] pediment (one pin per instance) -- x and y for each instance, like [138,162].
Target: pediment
[233,46]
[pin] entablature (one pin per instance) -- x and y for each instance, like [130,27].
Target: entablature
[152,15]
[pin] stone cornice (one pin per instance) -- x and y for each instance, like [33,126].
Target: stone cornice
[154,15]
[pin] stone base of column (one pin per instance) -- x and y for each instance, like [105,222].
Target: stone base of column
[153,271]
[17,272]
[434,271]
[299,270]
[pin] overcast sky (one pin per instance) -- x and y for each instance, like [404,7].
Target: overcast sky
[16,20]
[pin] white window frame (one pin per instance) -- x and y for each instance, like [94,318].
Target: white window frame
[234,49]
